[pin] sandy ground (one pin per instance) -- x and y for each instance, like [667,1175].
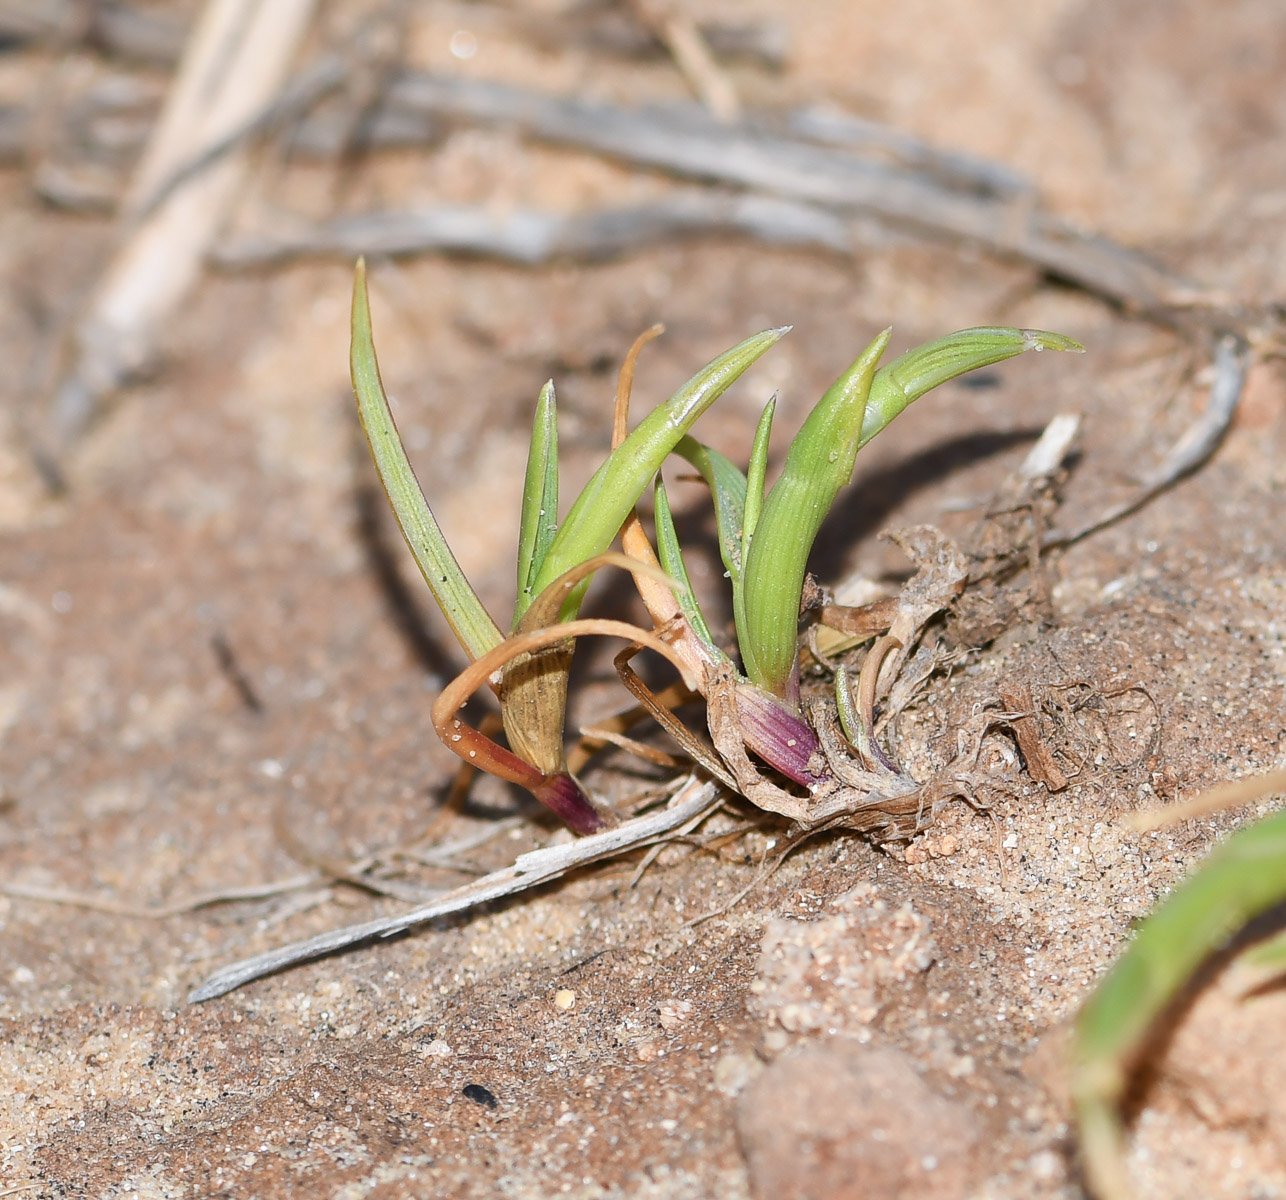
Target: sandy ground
[208,682]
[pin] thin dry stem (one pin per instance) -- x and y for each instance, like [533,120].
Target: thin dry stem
[625,384]
[1224,796]
[472,745]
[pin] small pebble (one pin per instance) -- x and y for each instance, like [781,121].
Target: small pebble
[675,1013]
[564,998]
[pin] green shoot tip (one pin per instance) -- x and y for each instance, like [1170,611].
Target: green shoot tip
[1041,339]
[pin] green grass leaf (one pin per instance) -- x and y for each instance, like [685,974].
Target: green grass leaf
[728,491]
[755,474]
[1239,880]
[671,559]
[819,462]
[473,627]
[911,375]
[539,520]
[614,489]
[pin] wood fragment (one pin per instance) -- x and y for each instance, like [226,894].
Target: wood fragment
[1041,764]
[1046,458]
[863,622]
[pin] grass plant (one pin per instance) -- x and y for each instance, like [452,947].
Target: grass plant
[766,534]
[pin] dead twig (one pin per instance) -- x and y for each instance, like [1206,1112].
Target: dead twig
[823,170]
[150,34]
[30,1186]
[690,143]
[683,833]
[146,35]
[532,236]
[764,872]
[1197,443]
[530,870]
[1216,799]
[679,33]
[957,170]
[291,103]
[119,908]
[445,856]
[235,64]
[605,27]
[1041,764]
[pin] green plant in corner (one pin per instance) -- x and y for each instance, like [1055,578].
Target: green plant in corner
[1239,880]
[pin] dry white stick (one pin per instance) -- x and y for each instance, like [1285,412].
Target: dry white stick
[535,236]
[1232,794]
[695,799]
[1196,444]
[1049,453]
[676,28]
[122,908]
[234,65]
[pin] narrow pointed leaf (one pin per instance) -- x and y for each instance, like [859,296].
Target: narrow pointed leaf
[667,550]
[918,371]
[819,462]
[1237,881]
[473,627]
[728,490]
[539,520]
[850,722]
[614,489]
[756,472]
